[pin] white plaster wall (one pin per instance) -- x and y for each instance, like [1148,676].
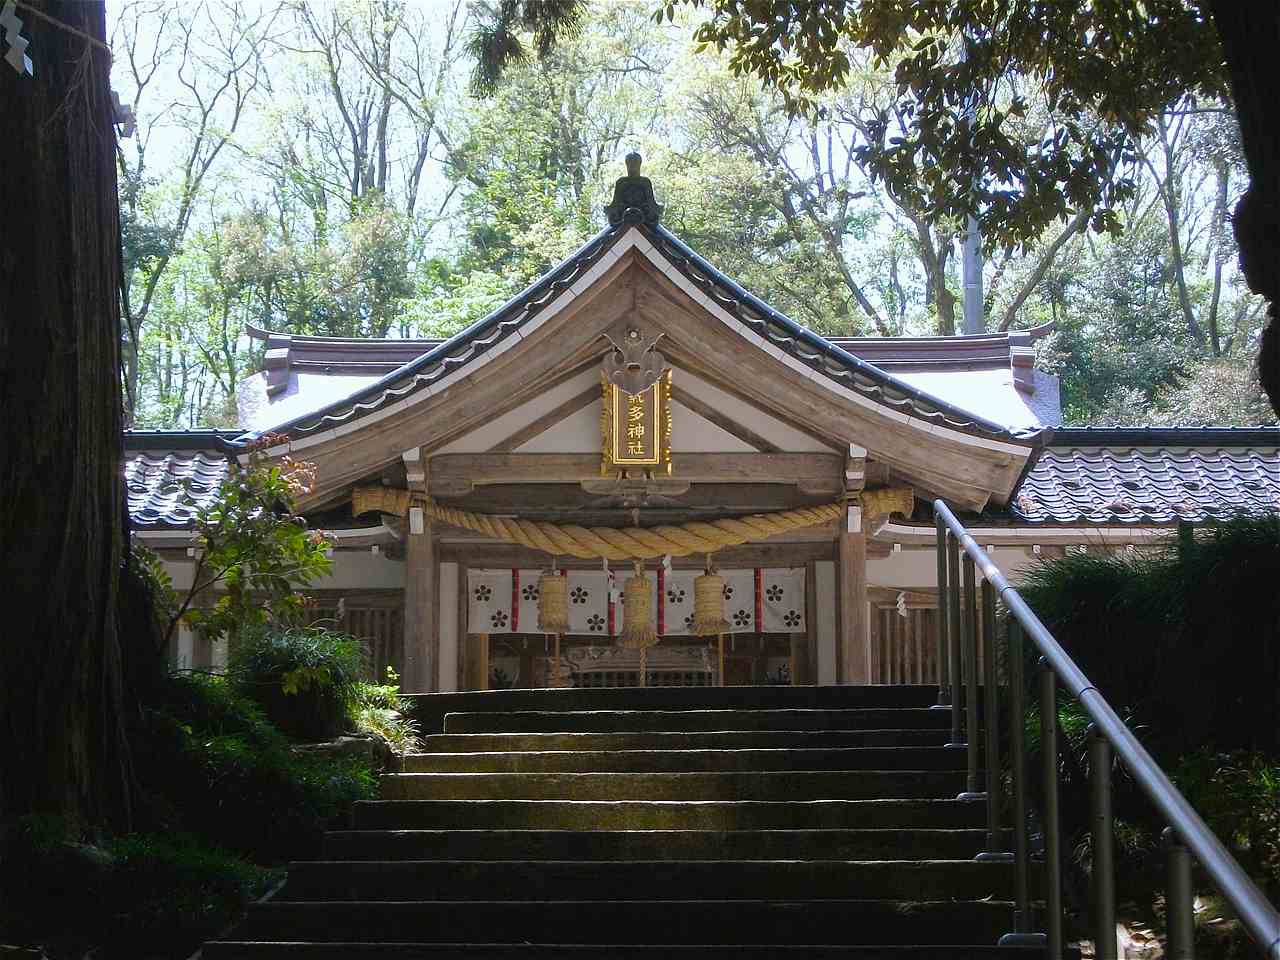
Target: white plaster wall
[918,567]
[447,620]
[363,570]
[499,429]
[179,571]
[580,431]
[577,433]
[786,438]
[691,433]
[824,582]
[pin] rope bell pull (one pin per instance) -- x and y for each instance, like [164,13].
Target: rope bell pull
[638,632]
[553,603]
[708,603]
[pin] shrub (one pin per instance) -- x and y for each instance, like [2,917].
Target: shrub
[1185,643]
[304,678]
[380,710]
[1187,637]
[218,769]
[1238,794]
[137,896]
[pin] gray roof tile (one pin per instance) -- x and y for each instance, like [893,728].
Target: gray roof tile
[1145,484]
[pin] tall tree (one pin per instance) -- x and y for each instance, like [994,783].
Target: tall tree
[204,66]
[1250,32]
[61,498]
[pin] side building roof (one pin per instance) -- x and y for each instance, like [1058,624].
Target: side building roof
[1150,475]
[1133,476]
[170,474]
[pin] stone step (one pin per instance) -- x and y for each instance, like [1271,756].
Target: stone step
[665,815]
[733,785]
[247,950]
[623,721]
[464,880]
[667,740]
[429,708]
[617,845]
[682,761]
[650,922]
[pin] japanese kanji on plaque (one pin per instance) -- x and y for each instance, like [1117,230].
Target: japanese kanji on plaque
[637,427]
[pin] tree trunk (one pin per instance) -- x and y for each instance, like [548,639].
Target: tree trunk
[61,498]
[1250,32]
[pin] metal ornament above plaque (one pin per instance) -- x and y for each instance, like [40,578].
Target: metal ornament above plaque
[636,427]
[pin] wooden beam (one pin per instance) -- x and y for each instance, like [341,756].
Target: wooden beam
[548,420]
[750,555]
[969,470]
[555,350]
[727,424]
[461,471]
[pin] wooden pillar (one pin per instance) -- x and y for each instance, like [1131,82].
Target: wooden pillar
[465,652]
[477,661]
[447,626]
[875,643]
[421,673]
[852,551]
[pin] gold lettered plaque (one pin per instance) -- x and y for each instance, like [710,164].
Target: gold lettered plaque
[636,427]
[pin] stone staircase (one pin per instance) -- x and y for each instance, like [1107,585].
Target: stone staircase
[713,823]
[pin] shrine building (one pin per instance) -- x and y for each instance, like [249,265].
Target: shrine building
[636,415]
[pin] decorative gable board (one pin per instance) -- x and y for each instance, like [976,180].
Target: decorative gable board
[781,435]
[763,600]
[579,432]
[510,423]
[693,433]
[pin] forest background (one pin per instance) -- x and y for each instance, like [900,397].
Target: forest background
[327,169]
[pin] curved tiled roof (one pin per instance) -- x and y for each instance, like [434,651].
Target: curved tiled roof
[820,354]
[167,488]
[1151,476]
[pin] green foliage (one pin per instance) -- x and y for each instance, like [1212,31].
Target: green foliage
[1103,71]
[306,679]
[495,43]
[1187,636]
[255,548]
[379,709]
[1185,643]
[149,571]
[143,895]
[218,769]
[1238,794]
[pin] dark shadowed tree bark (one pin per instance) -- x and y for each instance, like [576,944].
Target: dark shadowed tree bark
[62,740]
[1250,32]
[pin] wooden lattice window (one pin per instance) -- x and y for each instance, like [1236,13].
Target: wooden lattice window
[376,619]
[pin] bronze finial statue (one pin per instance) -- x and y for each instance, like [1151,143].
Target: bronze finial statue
[633,199]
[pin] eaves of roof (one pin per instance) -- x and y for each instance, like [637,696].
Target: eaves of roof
[1164,436]
[821,354]
[221,440]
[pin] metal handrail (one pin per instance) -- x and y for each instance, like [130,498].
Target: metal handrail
[1186,828]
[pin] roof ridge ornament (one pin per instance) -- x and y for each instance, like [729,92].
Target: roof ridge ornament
[633,199]
[633,365]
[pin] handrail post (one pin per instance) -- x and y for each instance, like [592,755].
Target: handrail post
[969,631]
[991,724]
[1179,900]
[1052,827]
[1258,916]
[940,662]
[955,632]
[1022,919]
[1103,850]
